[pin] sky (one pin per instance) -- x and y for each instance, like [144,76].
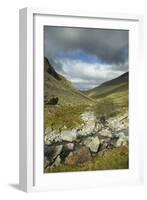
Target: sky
[87,57]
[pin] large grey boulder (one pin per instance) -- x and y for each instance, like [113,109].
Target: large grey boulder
[69,135]
[57,162]
[51,152]
[92,143]
[69,146]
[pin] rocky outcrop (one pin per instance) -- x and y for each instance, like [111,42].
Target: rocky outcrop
[56,162]
[51,152]
[79,145]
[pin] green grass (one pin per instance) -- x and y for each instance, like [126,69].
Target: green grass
[59,116]
[69,114]
[112,105]
[104,90]
[116,158]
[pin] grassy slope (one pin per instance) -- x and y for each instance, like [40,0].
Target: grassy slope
[71,103]
[57,85]
[115,90]
[59,116]
[118,84]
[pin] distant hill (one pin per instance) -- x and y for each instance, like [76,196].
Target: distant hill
[115,90]
[118,84]
[55,85]
[121,79]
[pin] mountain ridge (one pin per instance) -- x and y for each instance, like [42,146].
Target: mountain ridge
[117,84]
[57,85]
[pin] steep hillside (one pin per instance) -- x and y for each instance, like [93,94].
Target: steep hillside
[56,85]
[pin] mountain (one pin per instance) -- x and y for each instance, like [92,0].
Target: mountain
[55,85]
[116,88]
[121,79]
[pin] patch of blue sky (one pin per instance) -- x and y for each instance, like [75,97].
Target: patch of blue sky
[80,55]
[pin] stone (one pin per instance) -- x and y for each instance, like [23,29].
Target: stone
[69,146]
[121,135]
[78,156]
[98,126]
[88,128]
[122,141]
[119,123]
[52,136]
[57,162]
[46,162]
[106,133]
[51,152]
[69,135]
[92,143]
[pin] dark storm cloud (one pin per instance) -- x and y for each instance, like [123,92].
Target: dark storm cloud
[87,57]
[109,46]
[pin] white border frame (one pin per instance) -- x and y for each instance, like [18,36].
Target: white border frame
[28,173]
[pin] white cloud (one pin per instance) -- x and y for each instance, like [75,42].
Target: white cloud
[86,74]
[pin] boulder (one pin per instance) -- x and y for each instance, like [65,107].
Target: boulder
[122,140]
[92,143]
[51,152]
[57,162]
[68,135]
[106,133]
[46,162]
[52,136]
[78,156]
[69,146]
[98,126]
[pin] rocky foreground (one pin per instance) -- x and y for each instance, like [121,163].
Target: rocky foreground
[94,137]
